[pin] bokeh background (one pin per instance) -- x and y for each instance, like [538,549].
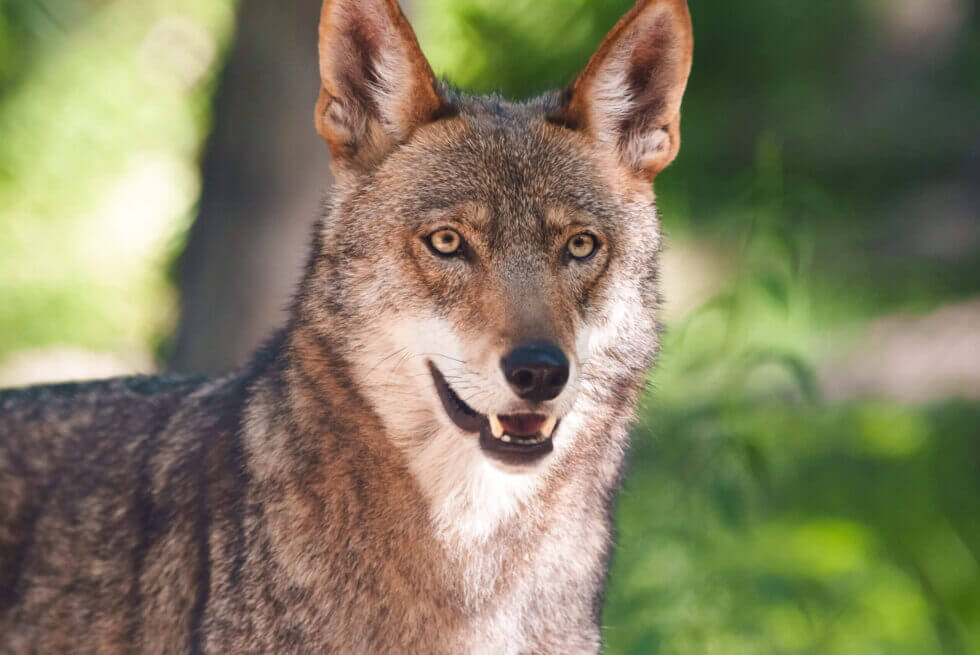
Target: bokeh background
[806,470]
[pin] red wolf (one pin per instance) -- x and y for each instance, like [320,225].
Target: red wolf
[425,458]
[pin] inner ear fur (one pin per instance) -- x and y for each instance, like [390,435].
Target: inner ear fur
[629,95]
[376,86]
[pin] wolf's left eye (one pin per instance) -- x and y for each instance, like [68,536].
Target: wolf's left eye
[582,246]
[446,242]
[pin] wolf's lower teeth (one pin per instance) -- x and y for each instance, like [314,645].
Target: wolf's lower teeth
[540,438]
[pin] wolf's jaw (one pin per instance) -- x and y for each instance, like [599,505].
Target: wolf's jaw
[512,439]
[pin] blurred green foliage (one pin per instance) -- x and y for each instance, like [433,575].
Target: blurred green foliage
[761,528]
[103,107]
[757,517]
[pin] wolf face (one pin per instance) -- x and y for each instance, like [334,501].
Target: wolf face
[494,264]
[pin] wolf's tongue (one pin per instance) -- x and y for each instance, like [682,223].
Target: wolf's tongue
[522,425]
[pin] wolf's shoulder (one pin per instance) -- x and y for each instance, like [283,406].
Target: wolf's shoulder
[145,386]
[118,400]
[46,422]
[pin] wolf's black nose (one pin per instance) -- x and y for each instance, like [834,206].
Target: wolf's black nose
[537,371]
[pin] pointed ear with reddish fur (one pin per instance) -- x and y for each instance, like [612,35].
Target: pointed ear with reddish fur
[629,95]
[376,86]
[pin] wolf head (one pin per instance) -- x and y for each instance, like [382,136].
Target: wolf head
[489,266]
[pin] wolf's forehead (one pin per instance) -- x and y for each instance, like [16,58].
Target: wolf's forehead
[515,166]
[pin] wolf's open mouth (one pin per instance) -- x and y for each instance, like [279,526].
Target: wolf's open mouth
[510,438]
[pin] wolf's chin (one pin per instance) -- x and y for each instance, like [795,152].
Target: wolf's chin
[515,440]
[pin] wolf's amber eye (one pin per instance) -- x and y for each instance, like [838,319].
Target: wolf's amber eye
[446,242]
[582,246]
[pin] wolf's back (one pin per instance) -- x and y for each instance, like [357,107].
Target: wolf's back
[78,467]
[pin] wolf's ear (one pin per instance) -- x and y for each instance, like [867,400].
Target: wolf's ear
[376,86]
[629,95]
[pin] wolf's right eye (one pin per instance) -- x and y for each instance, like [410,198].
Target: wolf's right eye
[582,246]
[446,242]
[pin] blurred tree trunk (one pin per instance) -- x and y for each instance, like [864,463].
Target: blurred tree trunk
[264,174]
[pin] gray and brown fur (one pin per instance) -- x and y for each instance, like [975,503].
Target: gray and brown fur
[319,500]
